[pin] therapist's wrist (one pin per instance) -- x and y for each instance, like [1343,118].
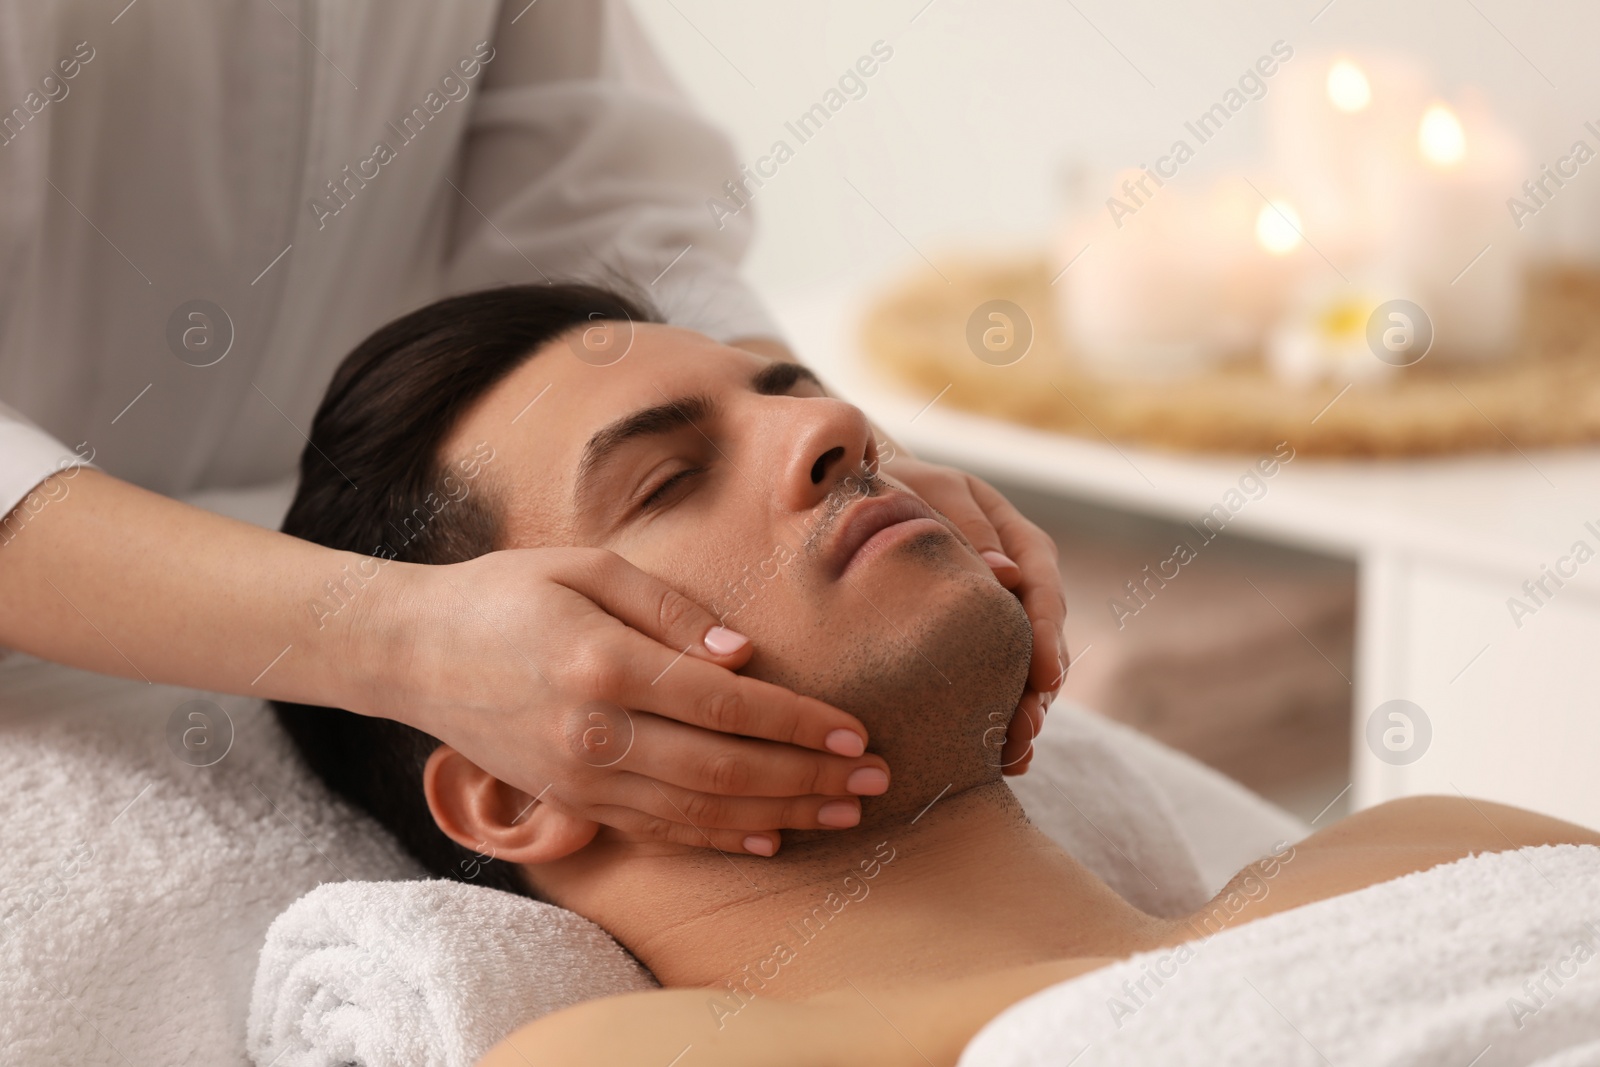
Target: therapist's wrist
[381,647]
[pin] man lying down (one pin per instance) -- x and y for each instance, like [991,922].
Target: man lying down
[691,460]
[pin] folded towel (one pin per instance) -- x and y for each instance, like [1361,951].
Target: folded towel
[1487,961]
[413,973]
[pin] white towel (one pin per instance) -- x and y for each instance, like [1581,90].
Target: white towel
[436,973]
[137,887]
[1488,961]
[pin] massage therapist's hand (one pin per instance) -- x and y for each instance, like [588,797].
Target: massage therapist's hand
[523,660]
[1023,558]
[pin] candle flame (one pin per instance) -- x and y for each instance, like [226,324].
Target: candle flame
[1278,228]
[1441,138]
[1347,86]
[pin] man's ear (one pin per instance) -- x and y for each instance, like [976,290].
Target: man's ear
[478,811]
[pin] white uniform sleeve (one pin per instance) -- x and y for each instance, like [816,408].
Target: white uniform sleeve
[583,161]
[28,456]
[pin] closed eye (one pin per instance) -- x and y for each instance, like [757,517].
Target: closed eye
[662,493]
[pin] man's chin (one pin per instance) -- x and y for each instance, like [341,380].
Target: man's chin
[932,660]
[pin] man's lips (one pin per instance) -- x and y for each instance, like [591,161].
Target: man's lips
[862,525]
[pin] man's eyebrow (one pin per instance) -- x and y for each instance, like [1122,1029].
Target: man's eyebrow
[646,422]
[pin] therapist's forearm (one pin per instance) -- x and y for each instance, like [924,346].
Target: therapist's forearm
[103,575]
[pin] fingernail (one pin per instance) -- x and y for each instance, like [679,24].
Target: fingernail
[721,641]
[845,742]
[997,559]
[839,814]
[761,846]
[867,782]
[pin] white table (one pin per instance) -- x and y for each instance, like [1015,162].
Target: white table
[1440,544]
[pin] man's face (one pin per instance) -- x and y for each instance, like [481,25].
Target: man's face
[737,481]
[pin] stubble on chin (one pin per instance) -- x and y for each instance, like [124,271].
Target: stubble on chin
[936,691]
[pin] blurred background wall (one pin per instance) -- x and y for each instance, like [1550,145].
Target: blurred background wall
[991,110]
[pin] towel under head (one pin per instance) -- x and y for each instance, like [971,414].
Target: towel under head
[421,973]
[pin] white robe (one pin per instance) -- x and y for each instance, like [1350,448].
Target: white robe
[228,151]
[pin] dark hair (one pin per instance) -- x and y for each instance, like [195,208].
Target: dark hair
[372,481]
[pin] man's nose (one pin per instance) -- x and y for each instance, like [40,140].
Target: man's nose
[831,441]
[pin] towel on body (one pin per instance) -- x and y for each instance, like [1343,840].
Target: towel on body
[421,973]
[1489,961]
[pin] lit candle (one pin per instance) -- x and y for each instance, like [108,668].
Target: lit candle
[1396,185]
[1191,280]
[1378,192]
[1337,130]
[1450,238]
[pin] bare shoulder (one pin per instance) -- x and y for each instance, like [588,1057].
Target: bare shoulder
[1454,823]
[1381,843]
[908,1025]
[659,1026]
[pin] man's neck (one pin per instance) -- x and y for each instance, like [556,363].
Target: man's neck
[967,886]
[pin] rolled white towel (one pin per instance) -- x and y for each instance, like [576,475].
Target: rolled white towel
[424,972]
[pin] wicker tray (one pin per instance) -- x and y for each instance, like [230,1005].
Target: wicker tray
[1546,394]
